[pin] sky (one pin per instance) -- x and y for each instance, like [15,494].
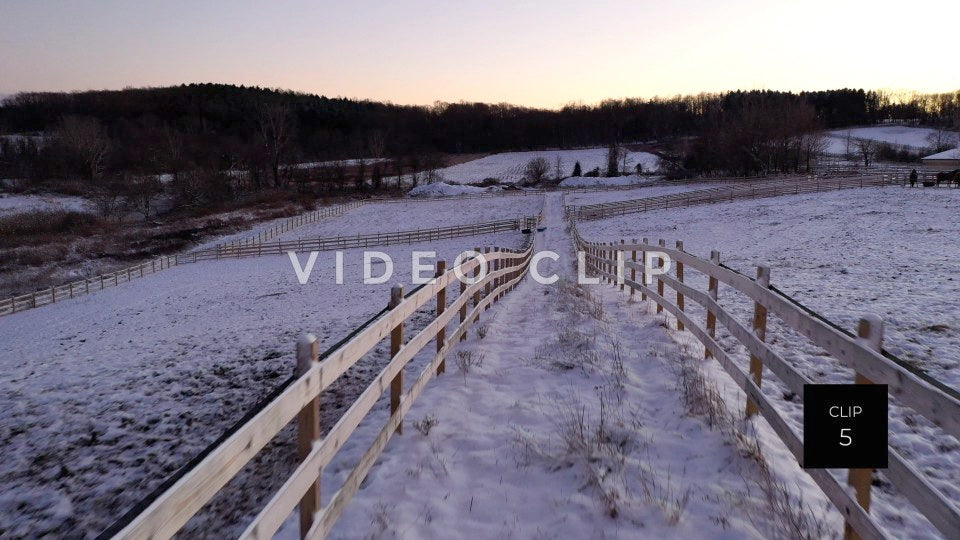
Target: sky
[535,53]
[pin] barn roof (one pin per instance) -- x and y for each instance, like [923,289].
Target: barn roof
[947,154]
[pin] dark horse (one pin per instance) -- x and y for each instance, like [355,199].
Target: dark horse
[952,177]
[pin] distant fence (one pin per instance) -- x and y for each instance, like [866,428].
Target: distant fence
[364,240]
[247,248]
[752,190]
[898,174]
[16,304]
[863,354]
[167,513]
[52,295]
[286,225]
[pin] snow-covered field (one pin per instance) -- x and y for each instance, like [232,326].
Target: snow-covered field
[845,254]
[898,135]
[888,251]
[509,166]
[107,394]
[419,214]
[15,204]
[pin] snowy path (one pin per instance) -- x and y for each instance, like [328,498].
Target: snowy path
[579,422]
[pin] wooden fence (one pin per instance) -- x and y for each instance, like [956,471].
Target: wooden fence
[752,190]
[287,225]
[359,241]
[248,247]
[503,270]
[863,354]
[15,304]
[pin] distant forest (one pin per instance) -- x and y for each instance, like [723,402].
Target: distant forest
[204,129]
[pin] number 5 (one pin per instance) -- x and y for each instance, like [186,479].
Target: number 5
[843,436]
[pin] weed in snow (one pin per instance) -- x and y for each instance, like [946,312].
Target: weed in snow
[425,424]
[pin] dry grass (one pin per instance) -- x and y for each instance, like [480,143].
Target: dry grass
[783,514]
[467,360]
[425,424]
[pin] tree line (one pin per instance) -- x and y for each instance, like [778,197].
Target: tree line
[217,141]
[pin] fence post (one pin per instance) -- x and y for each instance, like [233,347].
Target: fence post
[463,308]
[643,273]
[620,264]
[633,270]
[713,289]
[396,341]
[497,266]
[609,265]
[680,301]
[486,288]
[308,430]
[759,330]
[441,305]
[662,244]
[870,334]
[476,294]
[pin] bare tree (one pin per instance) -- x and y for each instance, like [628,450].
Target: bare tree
[625,160]
[867,149]
[941,139]
[276,128]
[376,144]
[812,145]
[558,168]
[360,179]
[614,152]
[536,171]
[143,191]
[86,139]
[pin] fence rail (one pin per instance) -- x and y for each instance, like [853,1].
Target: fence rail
[863,354]
[366,240]
[500,271]
[753,190]
[52,295]
[255,246]
[286,226]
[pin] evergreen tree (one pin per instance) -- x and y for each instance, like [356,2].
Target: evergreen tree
[577,171]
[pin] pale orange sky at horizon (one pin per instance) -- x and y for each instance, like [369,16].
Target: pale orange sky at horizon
[543,54]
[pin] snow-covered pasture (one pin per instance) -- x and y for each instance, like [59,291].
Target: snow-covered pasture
[419,214]
[888,251]
[509,166]
[11,204]
[916,137]
[844,254]
[108,394]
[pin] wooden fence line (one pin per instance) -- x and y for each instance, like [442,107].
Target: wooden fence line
[863,355]
[18,303]
[754,190]
[367,240]
[286,226]
[171,510]
[243,248]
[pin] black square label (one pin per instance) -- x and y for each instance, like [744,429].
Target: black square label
[845,426]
